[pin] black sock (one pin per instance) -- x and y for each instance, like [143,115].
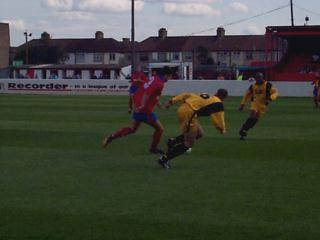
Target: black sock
[177,150]
[250,123]
[174,141]
[179,139]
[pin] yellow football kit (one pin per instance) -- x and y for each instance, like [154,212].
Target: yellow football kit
[194,106]
[260,95]
[316,92]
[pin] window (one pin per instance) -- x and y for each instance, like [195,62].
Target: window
[144,57]
[98,57]
[80,58]
[176,56]
[249,55]
[163,57]
[236,55]
[154,56]
[112,56]
[222,55]
[188,56]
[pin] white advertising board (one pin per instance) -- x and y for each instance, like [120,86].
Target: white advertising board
[121,87]
[65,87]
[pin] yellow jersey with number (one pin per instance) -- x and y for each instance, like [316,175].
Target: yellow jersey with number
[194,106]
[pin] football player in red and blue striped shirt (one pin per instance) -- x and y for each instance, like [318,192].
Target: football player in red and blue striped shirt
[145,99]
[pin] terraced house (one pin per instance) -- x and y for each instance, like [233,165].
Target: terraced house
[192,57]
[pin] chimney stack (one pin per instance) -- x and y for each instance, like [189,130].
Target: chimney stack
[126,40]
[221,32]
[163,33]
[99,35]
[45,36]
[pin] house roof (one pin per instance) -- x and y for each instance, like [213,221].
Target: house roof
[212,43]
[83,45]
[204,41]
[70,66]
[240,43]
[156,44]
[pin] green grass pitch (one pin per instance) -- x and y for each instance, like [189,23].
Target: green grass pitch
[57,183]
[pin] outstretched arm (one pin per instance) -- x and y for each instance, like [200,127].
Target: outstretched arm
[218,121]
[180,98]
[273,94]
[246,98]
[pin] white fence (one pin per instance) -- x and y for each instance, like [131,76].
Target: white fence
[119,87]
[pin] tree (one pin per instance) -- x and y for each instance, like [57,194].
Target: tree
[43,54]
[203,56]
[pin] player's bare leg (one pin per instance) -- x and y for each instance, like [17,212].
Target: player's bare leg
[130,104]
[121,133]
[200,132]
[190,138]
[156,137]
[250,123]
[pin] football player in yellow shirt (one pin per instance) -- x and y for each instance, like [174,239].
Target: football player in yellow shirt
[192,107]
[261,93]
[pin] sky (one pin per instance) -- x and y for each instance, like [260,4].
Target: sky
[82,18]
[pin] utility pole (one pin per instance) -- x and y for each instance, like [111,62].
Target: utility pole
[292,18]
[26,34]
[133,47]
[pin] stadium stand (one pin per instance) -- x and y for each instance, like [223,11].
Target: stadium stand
[301,58]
